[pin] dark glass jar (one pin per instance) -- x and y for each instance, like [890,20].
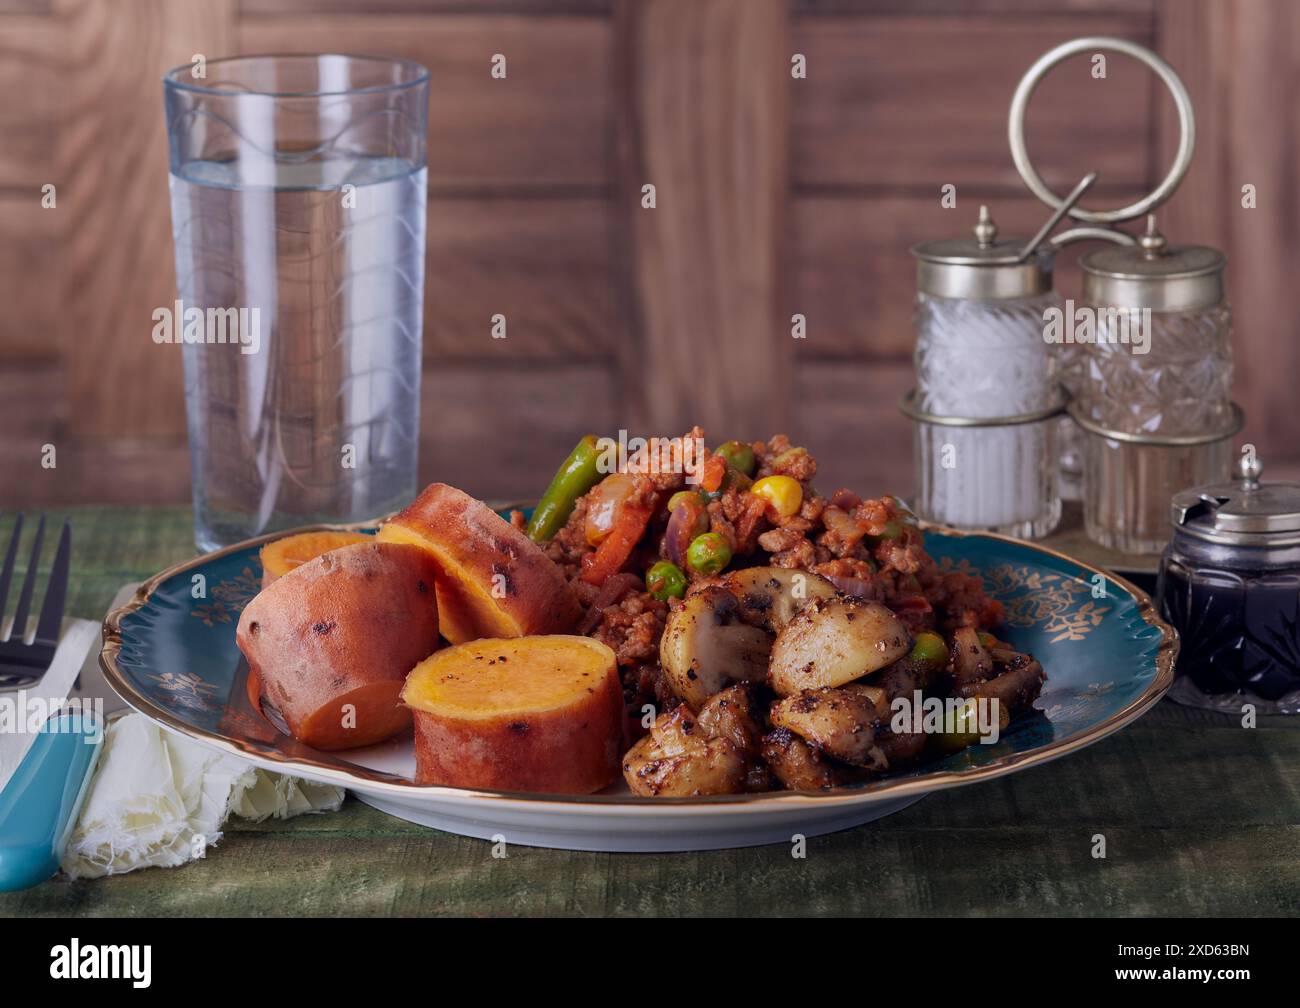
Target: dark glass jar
[1229,583]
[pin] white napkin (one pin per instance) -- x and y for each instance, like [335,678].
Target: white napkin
[18,707]
[161,799]
[158,799]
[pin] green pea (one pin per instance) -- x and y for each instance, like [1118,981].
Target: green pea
[929,648]
[739,456]
[892,530]
[665,580]
[960,729]
[681,497]
[708,553]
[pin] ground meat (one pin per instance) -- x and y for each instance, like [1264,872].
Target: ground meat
[684,453]
[779,458]
[570,545]
[632,628]
[870,547]
[744,517]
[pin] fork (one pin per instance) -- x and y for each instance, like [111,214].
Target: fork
[23,664]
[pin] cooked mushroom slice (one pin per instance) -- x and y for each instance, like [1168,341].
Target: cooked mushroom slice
[733,715]
[900,749]
[843,723]
[878,697]
[969,660]
[831,642]
[1015,688]
[706,645]
[679,758]
[901,679]
[800,767]
[770,596]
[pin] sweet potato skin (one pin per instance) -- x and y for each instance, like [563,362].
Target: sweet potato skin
[286,554]
[478,552]
[345,628]
[573,749]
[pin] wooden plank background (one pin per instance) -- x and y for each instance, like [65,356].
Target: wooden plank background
[775,196]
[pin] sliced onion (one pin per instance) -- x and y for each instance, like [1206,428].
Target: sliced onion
[689,519]
[845,500]
[603,504]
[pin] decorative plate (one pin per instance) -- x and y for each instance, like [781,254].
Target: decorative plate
[1107,655]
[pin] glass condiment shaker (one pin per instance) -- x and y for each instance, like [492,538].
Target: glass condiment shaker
[988,399]
[1230,584]
[1151,389]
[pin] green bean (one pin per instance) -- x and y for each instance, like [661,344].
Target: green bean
[577,475]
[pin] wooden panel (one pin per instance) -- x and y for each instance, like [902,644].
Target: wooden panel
[987,7]
[855,279]
[712,140]
[34,411]
[29,253]
[543,263]
[921,102]
[315,7]
[113,164]
[1247,117]
[546,123]
[29,48]
[500,432]
[846,414]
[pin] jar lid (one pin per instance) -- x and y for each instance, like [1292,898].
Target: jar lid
[1154,274]
[984,266]
[1242,511]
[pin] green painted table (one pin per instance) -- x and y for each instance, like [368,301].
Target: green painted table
[1200,816]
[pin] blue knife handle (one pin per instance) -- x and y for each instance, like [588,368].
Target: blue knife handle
[39,805]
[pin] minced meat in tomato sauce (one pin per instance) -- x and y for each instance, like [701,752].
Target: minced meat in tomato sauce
[870,548]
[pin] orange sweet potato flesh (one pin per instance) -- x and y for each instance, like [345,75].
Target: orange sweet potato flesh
[331,642]
[541,714]
[493,580]
[283,555]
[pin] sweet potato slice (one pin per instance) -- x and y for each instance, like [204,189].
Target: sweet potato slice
[518,714]
[331,642]
[280,557]
[493,580]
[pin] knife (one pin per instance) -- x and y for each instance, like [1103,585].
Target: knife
[41,801]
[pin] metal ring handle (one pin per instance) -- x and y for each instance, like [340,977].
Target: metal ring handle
[1186,127]
[1114,235]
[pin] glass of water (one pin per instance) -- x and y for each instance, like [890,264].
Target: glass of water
[298,213]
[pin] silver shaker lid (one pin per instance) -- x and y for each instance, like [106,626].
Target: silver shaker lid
[1243,511]
[981,267]
[1154,274]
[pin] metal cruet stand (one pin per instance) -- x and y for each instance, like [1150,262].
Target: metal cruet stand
[978,282]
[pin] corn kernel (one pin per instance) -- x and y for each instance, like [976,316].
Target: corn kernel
[784,494]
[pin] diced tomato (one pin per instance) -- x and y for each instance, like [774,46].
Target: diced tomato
[715,471]
[615,549]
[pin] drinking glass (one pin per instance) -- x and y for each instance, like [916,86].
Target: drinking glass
[298,212]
